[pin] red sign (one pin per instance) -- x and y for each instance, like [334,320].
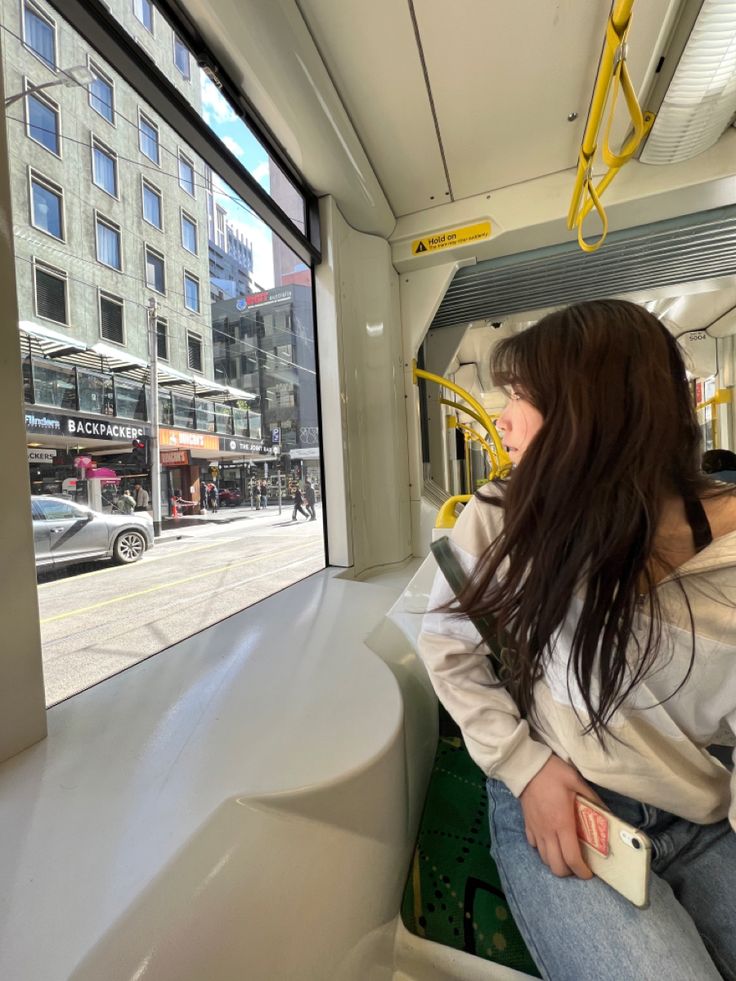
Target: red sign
[254,298]
[175,458]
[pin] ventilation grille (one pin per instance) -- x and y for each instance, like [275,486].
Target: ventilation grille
[668,253]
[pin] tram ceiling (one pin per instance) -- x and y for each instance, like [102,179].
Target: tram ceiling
[667,253]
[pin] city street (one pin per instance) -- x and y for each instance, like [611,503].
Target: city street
[101,619]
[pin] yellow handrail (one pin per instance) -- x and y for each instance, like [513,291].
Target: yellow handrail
[612,70]
[479,413]
[446,514]
[497,469]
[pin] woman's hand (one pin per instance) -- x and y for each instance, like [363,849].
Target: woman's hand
[548,804]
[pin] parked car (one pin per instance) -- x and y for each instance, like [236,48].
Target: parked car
[230,498]
[65,533]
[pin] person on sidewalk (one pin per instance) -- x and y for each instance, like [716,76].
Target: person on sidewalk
[298,505]
[311,500]
[264,494]
[141,498]
[212,497]
[126,503]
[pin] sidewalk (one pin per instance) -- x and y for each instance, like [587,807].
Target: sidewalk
[170,527]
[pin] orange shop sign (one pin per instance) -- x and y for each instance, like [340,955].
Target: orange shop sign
[174,458]
[175,438]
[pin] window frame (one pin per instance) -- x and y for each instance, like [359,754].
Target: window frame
[146,183]
[42,15]
[54,188]
[167,356]
[160,255]
[95,68]
[190,275]
[152,29]
[188,216]
[198,337]
[154,125]
[120,301]
[183,156]
[188,76]
[103,219]
[50,104]
[96,143]
[56,273]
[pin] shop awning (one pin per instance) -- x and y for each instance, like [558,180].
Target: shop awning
[40,341]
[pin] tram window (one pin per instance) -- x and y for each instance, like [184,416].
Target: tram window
[128,246]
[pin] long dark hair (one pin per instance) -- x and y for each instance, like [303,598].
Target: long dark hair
[619,436]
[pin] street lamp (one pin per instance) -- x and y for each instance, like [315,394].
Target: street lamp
[77,75]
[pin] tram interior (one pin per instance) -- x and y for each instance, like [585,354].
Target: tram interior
[247,803]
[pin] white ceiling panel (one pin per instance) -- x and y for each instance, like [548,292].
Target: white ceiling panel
[504,78]
[371,54]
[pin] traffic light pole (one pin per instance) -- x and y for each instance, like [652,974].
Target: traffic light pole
[155,459]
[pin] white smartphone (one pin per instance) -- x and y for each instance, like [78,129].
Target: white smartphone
[615,851]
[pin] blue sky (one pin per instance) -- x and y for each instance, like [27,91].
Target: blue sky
[239,140]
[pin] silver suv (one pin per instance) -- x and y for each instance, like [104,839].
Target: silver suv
[65,533]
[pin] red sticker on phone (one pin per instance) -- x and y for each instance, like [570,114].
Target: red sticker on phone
[592,827]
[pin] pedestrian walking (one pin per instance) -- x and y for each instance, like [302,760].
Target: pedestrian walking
[311,500]
[298,505]
[212,497]
[264,494]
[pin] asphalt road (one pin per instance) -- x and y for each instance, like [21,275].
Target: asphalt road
[97,623]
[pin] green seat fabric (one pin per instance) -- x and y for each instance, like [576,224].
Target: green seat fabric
[453,895]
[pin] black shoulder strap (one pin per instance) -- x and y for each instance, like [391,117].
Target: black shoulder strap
[699,524]
[456,579]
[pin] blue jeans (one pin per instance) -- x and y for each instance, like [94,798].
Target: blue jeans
[581,930]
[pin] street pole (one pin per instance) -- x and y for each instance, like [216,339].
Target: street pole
[153,441]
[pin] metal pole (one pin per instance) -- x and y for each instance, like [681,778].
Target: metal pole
[155,460]
[279,492]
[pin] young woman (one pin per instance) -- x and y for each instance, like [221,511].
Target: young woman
[611,561]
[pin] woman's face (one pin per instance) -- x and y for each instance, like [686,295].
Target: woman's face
[518,424]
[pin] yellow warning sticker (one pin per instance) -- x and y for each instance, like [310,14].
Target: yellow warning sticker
[451,238]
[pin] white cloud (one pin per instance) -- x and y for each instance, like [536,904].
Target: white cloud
[261,174]
[234,146]
[215,108]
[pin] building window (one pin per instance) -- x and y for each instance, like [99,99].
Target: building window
[155,271]
[43,121]
[111,318]
[220,227]
[189,232]
[152,206]
[148,140]
[104,168]
[191,292]
[162,339]
[50,293]
[143,9]
[101,93]
[181,58]
[109,249]
[186,174]
[47,207]
[39,34]
[194,351]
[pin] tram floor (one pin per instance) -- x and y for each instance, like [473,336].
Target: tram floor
[103,619]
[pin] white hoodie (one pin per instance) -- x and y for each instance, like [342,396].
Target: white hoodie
[660,756]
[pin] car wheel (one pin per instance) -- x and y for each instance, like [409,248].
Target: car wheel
[128,547]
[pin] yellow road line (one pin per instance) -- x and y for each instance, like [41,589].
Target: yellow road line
[147,559]
[168,585]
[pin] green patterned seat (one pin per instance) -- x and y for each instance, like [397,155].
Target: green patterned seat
[454,895]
